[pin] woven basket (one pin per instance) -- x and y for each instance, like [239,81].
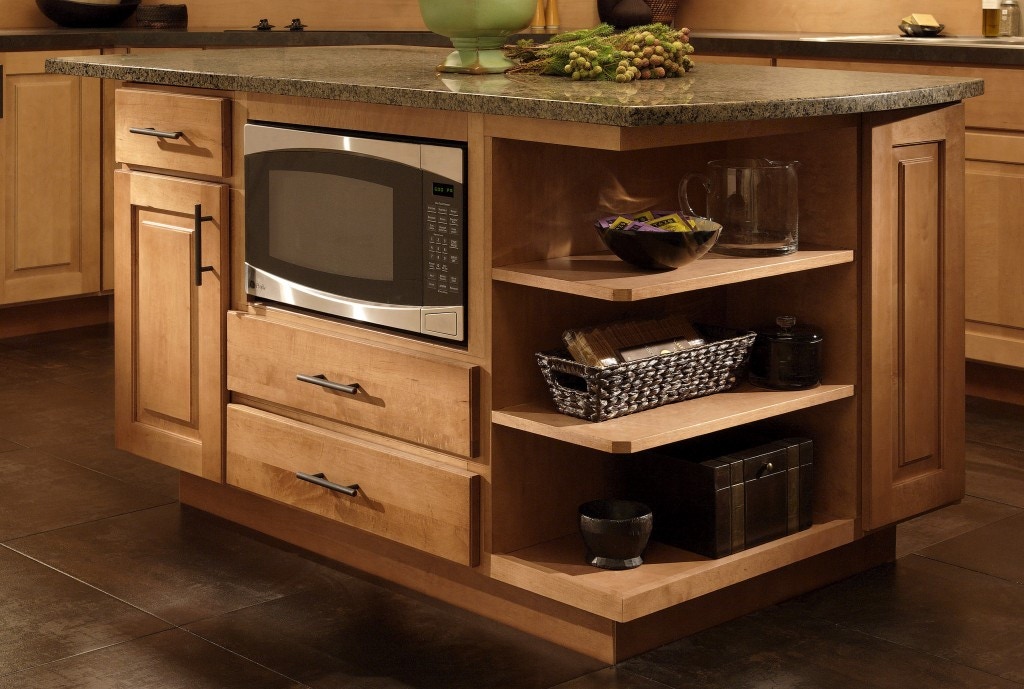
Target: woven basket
[663,11]
[599,394]
[161,17]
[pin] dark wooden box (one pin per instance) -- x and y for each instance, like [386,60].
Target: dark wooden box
[721,505]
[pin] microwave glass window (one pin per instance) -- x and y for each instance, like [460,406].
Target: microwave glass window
[332,224]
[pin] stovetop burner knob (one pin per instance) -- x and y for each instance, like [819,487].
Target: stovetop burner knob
[264,25]
[296,25]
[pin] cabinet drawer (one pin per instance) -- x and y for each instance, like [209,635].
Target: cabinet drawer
[422,399]
[428,506]
[201,125]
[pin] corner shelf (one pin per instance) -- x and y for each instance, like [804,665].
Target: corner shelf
[666,424]
[605,276]
[669,576]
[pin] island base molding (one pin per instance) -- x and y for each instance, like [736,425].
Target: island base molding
[471,589]
[60,314]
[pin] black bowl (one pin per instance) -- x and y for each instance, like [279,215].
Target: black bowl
[615,532]
[86,15]
[658,250]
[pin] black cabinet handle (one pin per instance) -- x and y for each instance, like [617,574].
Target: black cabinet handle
[321,480]
[149,131]
[322,381]
[198,247]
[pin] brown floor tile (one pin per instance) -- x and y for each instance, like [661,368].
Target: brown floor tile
[169,660]
[39,493]
[7,446]
[996,549]
[934,609]
[784,648]
[46,616]
[611,678]
[971,513]
[344,634]
[176,563]
[995,423]
[996,473]
[98,453]
[39,413]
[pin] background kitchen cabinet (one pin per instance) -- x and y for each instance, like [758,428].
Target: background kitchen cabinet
[993,203]
[995,247]
[50,199]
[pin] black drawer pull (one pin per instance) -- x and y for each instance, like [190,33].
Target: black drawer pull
[149,131]
[321,480]
[322,381]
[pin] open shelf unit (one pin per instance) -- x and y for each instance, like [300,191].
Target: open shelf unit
[550,273]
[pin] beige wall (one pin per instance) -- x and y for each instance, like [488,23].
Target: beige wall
[845,16]
[863,16]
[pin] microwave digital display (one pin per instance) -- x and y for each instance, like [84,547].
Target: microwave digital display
[366,228]
[444,189]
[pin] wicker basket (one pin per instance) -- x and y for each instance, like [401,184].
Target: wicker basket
[599,394]
[663,11]
[161,17]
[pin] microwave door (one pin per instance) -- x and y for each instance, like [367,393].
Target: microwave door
[337,223]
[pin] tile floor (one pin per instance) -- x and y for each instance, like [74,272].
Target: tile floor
[106,582]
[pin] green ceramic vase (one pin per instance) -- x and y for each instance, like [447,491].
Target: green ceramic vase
[477,29]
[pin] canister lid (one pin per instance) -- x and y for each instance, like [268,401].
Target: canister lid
[786,329]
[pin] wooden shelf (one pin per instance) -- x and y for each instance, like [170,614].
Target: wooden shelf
[669,576]
[667,424]
[604,276]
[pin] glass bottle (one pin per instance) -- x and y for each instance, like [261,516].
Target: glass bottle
[989,18]
[1009,18]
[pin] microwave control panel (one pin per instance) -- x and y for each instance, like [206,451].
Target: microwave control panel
[444,239]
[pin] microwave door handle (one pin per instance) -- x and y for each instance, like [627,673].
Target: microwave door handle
[198,245]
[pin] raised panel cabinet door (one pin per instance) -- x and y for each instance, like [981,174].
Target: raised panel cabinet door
[912,253]
[171,260]
[50,198]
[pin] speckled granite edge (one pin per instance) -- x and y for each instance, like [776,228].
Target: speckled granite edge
[701,96]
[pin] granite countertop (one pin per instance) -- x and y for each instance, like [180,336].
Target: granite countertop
[405,76]
[894,47]
[227,37]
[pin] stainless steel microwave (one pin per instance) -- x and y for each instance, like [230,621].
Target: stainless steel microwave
[357,226]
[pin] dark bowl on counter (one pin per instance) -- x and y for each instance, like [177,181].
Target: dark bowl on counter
[87,15]
[919,31]
[659,250]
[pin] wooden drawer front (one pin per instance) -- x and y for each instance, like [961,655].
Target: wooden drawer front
[202,123]
[424,505]
[425,400]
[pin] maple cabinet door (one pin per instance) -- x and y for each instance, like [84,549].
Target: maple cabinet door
[169,331]
[50,198]
[913,253]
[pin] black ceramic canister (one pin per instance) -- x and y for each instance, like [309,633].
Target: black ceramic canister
[786,356]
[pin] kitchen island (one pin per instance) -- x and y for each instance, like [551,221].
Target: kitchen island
[474,500]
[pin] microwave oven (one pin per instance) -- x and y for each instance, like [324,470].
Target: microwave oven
[358,226]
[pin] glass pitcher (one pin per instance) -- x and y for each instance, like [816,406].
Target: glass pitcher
[755,201]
